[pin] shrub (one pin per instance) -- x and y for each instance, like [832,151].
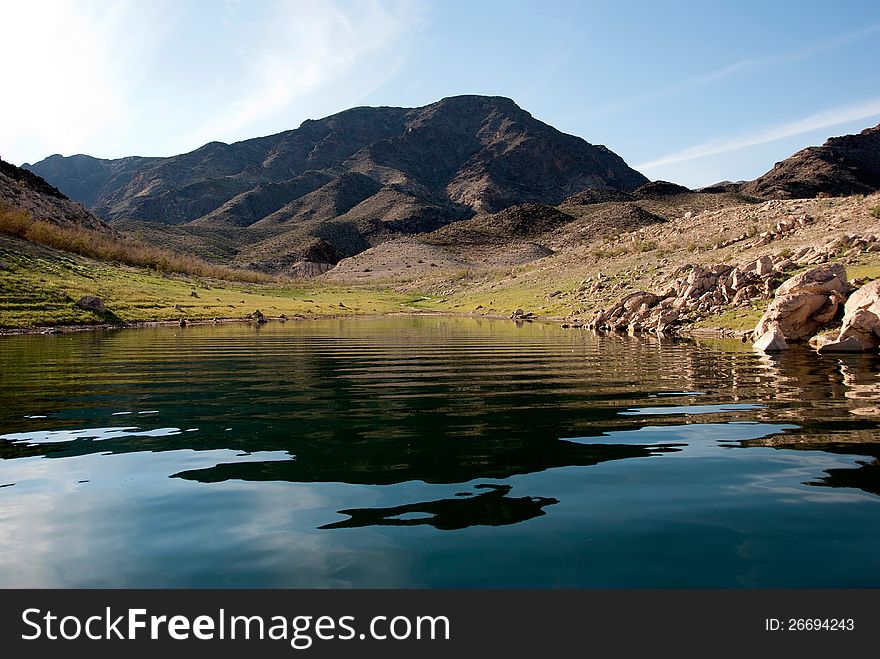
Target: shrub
[875,212]
[115,248]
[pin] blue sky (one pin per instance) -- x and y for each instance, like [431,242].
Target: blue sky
[693,92]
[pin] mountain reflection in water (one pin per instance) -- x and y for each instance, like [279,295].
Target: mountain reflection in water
[490,508]
[356,453]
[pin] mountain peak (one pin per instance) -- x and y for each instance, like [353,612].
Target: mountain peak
[353,178]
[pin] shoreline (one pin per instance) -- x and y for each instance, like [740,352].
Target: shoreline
[44,330]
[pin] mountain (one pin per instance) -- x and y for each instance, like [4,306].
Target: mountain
[842,166]
[351,180]
[21,190]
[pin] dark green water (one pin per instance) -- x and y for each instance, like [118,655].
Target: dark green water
[432,452]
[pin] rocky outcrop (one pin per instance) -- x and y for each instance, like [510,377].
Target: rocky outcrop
[844,246]
[703,291]
[860,329]
[633,311]
[803,305]
[826,278]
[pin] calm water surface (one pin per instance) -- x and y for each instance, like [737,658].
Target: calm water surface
[432,452]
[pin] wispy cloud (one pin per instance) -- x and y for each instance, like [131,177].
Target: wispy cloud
[308,49]
[825,119]
[157,78]
[742,66]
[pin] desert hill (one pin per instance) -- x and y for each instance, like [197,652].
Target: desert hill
[842,166]
[21,190]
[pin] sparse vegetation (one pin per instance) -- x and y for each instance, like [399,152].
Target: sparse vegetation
[610,252]
[875,212]
[39,286]
[611,236]
[115,248]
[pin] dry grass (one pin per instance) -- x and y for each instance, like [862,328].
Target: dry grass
[116,249]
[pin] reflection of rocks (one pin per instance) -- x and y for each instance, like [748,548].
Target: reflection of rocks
[865,477]
[857,440]
[378,462]
[796,375]
[862,381]
[490,508]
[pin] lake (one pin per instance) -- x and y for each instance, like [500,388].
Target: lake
[433,452]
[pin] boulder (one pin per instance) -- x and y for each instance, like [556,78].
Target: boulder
[760,266]
[798,316]
[821,279]
[804,304]
[638,301]
[665,319]
[860,330]
[92,303]
[772,340]
[849,344]
[867,297]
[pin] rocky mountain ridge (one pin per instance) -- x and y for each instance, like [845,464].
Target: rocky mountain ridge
[464,176]
[844,165]
[352,179]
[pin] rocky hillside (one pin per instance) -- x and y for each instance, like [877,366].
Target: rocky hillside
[530,232]
[842,166]
[21,190]
[352,179]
